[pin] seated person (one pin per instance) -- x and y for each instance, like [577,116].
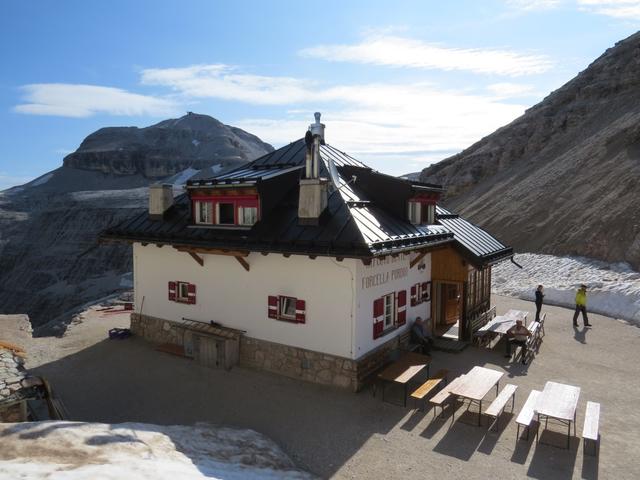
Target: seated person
[518,335]
[420,335]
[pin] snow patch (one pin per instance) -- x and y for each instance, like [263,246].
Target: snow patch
[613,288]
[181,178]
[136,451]
[195,142]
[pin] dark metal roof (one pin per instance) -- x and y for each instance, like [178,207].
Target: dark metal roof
[483,247]
[243,175]
[356,223]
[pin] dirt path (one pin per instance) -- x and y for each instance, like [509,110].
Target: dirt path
[345,435]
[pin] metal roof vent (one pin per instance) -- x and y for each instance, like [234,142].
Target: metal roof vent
[317,128]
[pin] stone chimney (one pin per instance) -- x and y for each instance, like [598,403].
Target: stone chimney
[160,199]
[313,189]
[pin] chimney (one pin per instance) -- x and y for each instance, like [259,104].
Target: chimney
[313,189]
[160,200]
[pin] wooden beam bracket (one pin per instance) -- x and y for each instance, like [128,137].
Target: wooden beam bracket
[197,258]
[417,260]
[243,262]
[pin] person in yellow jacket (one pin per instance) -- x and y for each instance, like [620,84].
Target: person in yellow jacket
[581,306]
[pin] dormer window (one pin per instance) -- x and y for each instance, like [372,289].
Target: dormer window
[227,208]
[421,211]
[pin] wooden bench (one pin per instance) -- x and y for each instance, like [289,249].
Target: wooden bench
[405,343]
[541,322]
[591,426]
[498,405]
[525,417]
[440,398]
[423,390]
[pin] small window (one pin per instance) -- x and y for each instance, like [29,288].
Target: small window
[183,291]
[414,213]
[428,214]
[204,212]
[225,214]
[388,313]
[288,308]
[248,215]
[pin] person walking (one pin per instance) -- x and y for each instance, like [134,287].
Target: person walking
[581,306]
[539,297]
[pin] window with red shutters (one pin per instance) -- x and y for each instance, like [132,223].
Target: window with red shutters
[226,210]
[191,293]
[301,311]
[414,295]
[401,307]
[273,307]
[425,291]
[288,309]
[378,317]
[182,292]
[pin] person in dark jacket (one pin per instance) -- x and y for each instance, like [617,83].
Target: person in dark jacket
[539,297]
[420,336]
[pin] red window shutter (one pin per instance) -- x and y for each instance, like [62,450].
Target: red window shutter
[414,295]
[401,303]
[301,311]
[425,293]
[273,307]
[378,311]
[191,293]
[172,291]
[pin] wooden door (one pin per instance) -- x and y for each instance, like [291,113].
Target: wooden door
[451,303]
[205,350]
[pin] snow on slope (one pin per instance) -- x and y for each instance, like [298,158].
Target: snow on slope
[136,451]
[613,288]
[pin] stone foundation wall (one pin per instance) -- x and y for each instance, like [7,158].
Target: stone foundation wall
[14,413]
[298,363]
[281,359]
[157,330]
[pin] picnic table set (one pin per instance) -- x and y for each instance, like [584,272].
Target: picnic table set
[557,401]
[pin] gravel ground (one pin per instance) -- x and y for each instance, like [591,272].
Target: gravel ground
[343,435]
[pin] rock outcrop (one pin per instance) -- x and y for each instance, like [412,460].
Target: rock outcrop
[50,261]
[563,178]
[193,141]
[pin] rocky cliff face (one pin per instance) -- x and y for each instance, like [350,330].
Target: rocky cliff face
[50,261]
[562,178]
[193,141]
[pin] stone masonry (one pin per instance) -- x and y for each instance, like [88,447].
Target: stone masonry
[281,359]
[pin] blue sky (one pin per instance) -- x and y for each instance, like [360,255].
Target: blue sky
[400,84]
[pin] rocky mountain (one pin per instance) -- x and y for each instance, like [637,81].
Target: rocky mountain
[50,261]
[193,141]
[562,178]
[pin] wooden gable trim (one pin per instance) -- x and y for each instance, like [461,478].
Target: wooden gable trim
[213,251]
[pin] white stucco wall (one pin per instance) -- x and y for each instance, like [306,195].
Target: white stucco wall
[228,294]
[380,278]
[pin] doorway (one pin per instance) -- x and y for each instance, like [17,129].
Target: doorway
[448,309]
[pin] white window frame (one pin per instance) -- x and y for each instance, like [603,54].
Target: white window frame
[414,212]
[241,213]
[208,220]
[431,213]
[283,303]
[179,296]
[389,311]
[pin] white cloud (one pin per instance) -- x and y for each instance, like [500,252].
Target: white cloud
[533,5]
[505,90]
[76,100]
[402,123]
[623,9]
[397,51]
[222,81]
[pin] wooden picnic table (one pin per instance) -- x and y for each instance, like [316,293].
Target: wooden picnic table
[403,370]
[476,384]
[559,401]
[517,315]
